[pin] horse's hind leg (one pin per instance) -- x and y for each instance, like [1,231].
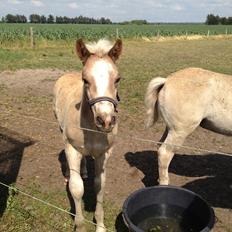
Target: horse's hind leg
[166,153]
[99,182]
[76,186]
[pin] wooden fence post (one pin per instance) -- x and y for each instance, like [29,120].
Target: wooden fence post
[117,36]
[32,38]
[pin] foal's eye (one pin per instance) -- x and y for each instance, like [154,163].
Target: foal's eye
[117,80]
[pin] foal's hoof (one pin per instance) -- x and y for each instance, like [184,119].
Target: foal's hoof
[163,182]
[100,229]
[80,228]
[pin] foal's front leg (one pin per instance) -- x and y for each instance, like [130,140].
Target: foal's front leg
[99,182]
[76,186]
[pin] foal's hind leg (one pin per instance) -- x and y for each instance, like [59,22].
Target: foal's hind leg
[166,153]
[76,186]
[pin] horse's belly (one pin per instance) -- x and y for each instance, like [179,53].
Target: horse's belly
[219,125]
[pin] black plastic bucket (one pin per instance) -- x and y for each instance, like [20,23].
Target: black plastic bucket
[167,209]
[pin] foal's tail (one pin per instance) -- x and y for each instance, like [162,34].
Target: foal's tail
[151,99]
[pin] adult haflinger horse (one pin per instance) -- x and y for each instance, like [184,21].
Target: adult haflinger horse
[186,99]
[89,100]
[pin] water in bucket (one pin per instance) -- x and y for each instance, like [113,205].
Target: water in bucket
[166,218]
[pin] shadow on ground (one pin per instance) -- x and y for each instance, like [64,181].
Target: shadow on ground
[12,145]
[214,171]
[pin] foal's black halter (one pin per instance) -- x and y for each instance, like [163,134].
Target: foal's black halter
[109,99]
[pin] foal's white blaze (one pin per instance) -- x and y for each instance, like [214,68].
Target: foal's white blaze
[101,73]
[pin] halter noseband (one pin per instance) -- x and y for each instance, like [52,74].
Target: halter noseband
[109,99]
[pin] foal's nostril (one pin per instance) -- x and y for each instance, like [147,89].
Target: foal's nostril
[100,120]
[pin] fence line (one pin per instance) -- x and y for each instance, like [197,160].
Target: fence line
[49,204]
[125,137]
[94,131]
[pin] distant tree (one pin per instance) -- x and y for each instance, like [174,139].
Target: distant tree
[10,18]
[67,20]
[50,19]
[135,21]
[43,19]
[223,20]
[75,20]
[35,18]
[212,19]
[229,20]
[59,19]
[20,19]
[138,22]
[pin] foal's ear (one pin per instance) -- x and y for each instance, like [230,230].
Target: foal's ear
[116,50]
[82,51]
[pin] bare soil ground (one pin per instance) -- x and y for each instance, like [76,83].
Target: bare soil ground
[33,149]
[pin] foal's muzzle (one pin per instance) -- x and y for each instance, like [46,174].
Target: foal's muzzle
[105,121]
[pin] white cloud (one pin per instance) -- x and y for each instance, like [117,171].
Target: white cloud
[15,2]
[178,8]
[73,5]
[37,3]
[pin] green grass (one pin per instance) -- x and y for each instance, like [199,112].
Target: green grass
[24,214]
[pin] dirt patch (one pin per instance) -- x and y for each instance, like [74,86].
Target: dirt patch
[133,164]
[36,81]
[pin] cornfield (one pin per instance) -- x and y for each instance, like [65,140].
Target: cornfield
[12,32]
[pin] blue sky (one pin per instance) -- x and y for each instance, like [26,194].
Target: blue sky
[121,10]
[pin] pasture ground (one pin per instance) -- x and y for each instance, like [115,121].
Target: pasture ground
[31,151]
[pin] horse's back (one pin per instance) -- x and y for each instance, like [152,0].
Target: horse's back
[189,82]
[67,89]
[193,94]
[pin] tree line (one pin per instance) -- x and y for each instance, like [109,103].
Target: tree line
[212,19]
[36,18]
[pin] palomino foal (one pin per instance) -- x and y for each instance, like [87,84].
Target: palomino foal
[89,100]
[185,100]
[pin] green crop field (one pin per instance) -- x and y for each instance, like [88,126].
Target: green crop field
[12,32]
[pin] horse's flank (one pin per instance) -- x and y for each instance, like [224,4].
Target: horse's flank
[195,94]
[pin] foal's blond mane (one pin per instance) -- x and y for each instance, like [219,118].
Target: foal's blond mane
[100,48]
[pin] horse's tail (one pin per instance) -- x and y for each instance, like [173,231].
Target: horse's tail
[151,99]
